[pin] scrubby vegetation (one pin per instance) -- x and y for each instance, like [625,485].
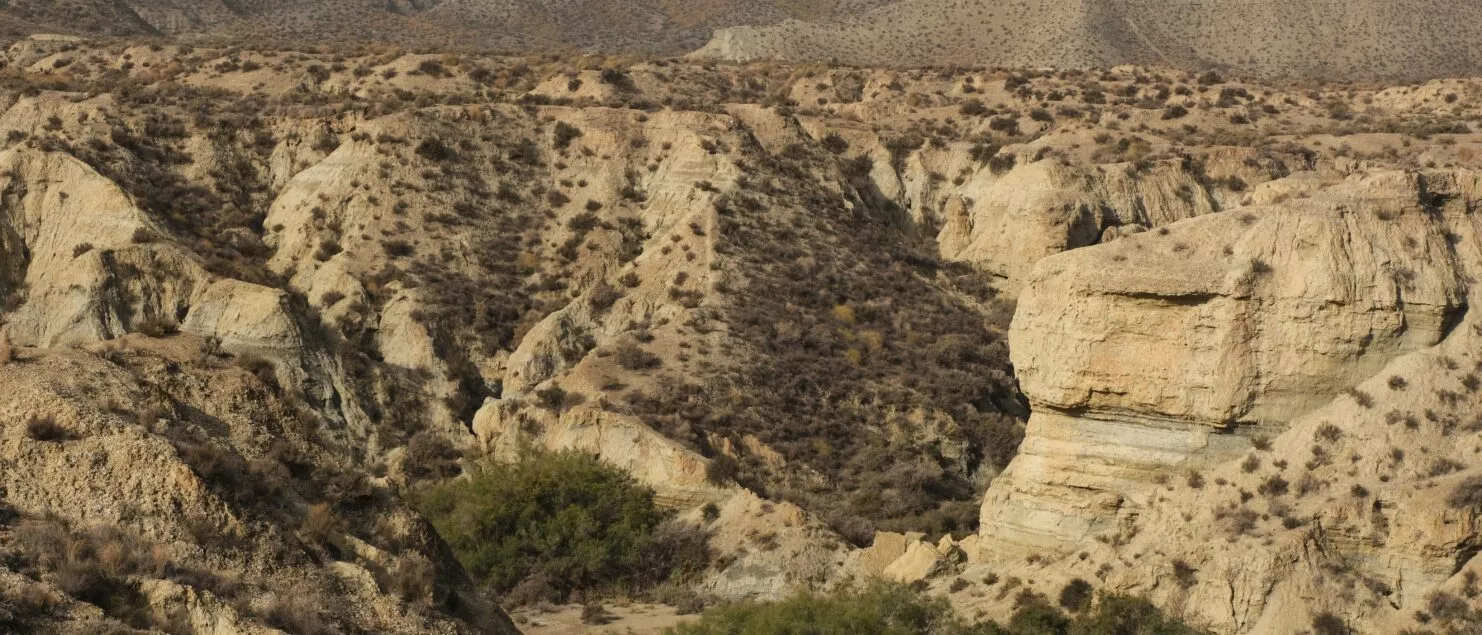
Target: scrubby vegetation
[838,364]
[557,524]
[1467,495]
[893,609]
[222,219]
[45,429]
[785,317]
[883,608]
[1111,615]
[99,565]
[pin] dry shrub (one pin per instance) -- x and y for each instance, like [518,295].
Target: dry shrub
[96,566]
[431,456]
[157,326]
[297,612]
[321,524]
[1467,495]
[45,428]
[415,579]
[264,369]
[594,614]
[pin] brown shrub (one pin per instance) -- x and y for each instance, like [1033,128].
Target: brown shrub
[320,524]
[297,612]
[45,428]
[1467,495]
[157,326]
[414,579]
[633,357]
[431,456]
[1185,575]
[594,614]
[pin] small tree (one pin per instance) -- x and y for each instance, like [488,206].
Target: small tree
[1175,112]
[835,143]
[721,470]
[632,357]
[1186,575]
[560,521]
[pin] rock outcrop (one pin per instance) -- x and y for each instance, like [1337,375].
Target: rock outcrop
[84,266]
[1006,224]
[1004,213]
[1330,332]
[771,550]
[1173,348]
[676,473]
[137,463]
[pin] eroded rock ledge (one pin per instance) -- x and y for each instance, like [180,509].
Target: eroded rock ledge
[1173,348]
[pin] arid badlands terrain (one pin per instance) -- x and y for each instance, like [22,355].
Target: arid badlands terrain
[284,328]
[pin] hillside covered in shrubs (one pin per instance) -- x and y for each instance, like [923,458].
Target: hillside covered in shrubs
[439,335]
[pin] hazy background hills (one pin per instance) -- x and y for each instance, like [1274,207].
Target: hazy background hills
[648,26]
[1321,39]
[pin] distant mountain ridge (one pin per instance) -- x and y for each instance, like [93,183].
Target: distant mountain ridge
[662,27]
[1323,39]
[1362,39]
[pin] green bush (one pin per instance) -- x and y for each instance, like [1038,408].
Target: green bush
[555,523]
[894,609]
[1036,618]
[881,608]
[1126,615]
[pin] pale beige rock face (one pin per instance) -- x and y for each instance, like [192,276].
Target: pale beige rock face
[920,561]
[1005,223]
[772,549]
[884,550]
[244,316]
[1031,212]
[1154,358]
[87,280]
[1137,354]
[206,614]
[1373,556]
[59,206]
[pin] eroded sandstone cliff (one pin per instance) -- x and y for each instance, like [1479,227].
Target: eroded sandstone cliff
[1256,416]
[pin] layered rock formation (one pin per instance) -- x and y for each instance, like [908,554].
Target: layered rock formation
[1006,224]
[1326,330]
